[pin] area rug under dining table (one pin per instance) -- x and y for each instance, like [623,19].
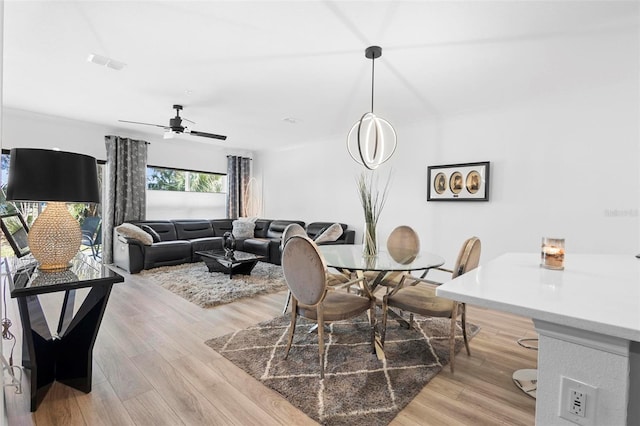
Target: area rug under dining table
[358,389]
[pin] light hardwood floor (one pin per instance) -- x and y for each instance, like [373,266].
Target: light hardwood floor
[151,367]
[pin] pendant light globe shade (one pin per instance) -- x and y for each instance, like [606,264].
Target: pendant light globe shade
[371,141]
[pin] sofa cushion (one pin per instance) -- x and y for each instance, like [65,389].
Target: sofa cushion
[149,230]
[191,229]
[132,231]
[262,226]
[276,228]
[243,228]
[259,246]
[220,226]
[165,228]
[204,244]
[167,253]
[332,233]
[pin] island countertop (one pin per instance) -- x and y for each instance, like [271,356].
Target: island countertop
[597,293]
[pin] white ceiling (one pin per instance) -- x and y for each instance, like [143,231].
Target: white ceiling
[241,67]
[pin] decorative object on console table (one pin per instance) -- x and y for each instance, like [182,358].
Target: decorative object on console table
[372,202]
[552,253]
[56,177]
[373,138]
[458,182]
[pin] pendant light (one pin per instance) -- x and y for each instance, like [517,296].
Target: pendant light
[372,140]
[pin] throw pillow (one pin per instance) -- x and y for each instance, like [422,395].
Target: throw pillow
[243,229]
[249,219]
[130,230]
[149,230]
[332,233]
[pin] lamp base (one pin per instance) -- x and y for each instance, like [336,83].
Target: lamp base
[54,238]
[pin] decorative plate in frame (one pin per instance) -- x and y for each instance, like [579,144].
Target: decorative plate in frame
[458,182]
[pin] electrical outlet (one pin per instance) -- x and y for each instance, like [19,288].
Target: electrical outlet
[577,402]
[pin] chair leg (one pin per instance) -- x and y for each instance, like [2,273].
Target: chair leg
[292,326]
[463,307]
[286,303]
[385,313]
[320,316]
[373,326]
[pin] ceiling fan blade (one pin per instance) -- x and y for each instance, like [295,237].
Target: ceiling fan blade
[146,124]
[206,135]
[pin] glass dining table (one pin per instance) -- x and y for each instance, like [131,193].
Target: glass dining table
[349,257]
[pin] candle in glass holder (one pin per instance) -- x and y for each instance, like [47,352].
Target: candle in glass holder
[552,253]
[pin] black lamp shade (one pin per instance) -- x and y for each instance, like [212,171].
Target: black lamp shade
[47,175]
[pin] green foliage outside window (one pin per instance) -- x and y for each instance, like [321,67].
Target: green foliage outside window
[184,180]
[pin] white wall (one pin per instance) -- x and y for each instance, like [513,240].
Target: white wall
[25,129]
[563,165]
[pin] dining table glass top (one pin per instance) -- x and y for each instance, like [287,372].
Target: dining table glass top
[350,256]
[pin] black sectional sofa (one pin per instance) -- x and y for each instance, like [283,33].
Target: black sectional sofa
[179,240]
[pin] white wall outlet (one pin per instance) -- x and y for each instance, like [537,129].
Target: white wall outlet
[577,402]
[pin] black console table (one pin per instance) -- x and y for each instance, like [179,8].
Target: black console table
[65,356]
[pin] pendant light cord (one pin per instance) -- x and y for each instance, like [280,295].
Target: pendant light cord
[373,67]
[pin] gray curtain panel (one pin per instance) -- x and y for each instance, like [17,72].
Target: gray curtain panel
[238,175]
[125,187]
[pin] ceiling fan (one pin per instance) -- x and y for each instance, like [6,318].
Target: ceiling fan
[175,126]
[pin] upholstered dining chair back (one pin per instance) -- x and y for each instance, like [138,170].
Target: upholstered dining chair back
[419,297]
[468,258]
[290,231]
[403,244]
[304,270]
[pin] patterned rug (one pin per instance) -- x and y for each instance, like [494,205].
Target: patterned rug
[194,282]
[358,389]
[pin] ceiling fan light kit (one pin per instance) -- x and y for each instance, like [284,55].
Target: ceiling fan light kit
[372,140]
[175,127]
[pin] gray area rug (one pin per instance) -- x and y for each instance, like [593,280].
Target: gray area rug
[358,389]
[194,282]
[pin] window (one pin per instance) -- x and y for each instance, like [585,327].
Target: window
[166,179]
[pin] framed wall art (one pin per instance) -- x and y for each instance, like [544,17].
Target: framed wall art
[458,182]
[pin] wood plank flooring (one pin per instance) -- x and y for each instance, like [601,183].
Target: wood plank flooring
[151,367]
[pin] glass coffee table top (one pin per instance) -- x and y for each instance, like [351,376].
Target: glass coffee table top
[238,262]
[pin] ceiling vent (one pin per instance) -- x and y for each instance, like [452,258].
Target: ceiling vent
[106,62]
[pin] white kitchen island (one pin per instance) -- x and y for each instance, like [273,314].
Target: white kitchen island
[588,320]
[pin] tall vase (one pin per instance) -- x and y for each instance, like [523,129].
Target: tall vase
[370,240]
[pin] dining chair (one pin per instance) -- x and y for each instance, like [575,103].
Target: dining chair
[305,272]
[290,231]
[403,245]
[418,296]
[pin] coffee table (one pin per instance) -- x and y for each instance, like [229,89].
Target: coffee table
[239,262]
